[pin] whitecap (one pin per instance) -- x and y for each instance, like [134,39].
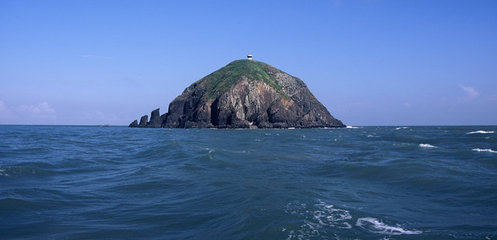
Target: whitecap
[210,153]
[318,219]
[426,145]
[376,226]
[327,215]
[480,132]
[398,128]
[351,127]
[484,150]
[3,172]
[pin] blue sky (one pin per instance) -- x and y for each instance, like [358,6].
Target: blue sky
[369,62]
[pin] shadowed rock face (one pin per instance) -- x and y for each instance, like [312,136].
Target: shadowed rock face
[245,94]
[133,124]
[155,120]
[143,121]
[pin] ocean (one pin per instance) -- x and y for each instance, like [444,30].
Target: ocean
[78,182]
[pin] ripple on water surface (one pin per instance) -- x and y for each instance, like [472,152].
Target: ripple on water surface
[351,183]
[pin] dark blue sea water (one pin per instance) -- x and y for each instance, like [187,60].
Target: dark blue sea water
[72,182]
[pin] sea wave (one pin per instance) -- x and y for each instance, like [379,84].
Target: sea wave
[3,172]
[321,219]
[484,150]
[480,132]
[270,183]
[376,226]
[318,219]
[351,127]
[399,128]
[328,215]
[426,145]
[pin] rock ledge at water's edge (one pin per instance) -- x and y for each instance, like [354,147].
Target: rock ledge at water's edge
[244,94]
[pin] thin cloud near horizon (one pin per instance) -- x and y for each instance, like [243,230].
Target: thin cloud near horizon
[470,91]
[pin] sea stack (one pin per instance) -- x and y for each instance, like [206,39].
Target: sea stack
[244,94]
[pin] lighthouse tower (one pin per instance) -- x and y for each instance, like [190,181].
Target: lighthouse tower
[249,57]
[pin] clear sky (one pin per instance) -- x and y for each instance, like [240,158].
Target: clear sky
[369,62]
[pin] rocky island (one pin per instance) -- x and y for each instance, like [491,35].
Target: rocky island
[244,94]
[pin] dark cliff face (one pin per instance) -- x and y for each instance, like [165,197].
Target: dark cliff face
[245,94]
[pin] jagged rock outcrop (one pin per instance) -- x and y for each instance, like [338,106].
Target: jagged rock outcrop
[155,119]
[143,121]
[245,94]
[133,124]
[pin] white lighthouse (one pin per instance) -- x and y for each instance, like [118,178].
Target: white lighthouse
[249,57]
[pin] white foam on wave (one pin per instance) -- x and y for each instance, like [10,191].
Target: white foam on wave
[398,128]
[351,127]
[319,219]
[322,219]
[484,150]
[376,226]
[210,153]
[480,132]
[3,172]
[426,145]
[327,215]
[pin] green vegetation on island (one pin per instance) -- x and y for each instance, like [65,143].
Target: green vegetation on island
[221,80]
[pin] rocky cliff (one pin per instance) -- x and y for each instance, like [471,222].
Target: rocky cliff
[244,94]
